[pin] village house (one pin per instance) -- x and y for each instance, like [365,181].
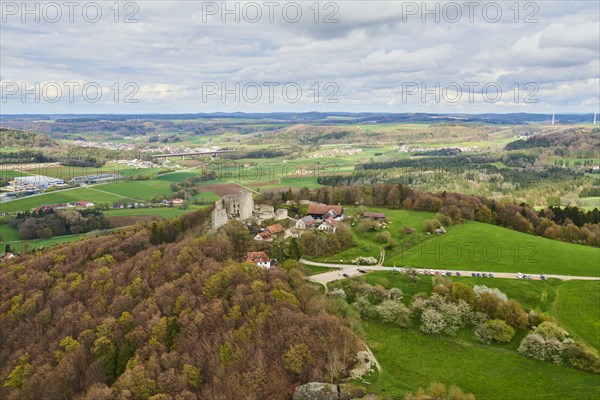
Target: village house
[329,225]
[177,202]
[259,258]
[374,216]
[264,236]
[269,233]
[324,211]
[84,204]
[305,223]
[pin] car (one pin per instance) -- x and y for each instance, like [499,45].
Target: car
[362,271]
[491,275]
[519,275]
[473,274]
[443,272]
[543,277]
[484,275]
[458,274]
[478,275]
[448,273]
[346,275]
[421,272]
[529,277]
[431,272]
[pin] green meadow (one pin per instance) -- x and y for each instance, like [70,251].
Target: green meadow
[471,246]
[410,359]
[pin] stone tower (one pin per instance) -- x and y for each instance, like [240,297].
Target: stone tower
[246,204]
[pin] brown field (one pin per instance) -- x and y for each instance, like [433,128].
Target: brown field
[128,220]
[221,189]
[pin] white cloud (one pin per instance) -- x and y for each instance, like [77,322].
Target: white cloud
[369,53]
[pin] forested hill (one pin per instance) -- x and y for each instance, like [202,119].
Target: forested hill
[15,138]
[162,311]
[572,141]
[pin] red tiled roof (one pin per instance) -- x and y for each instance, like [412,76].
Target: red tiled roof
[256,257]
[275,228]
[320,209]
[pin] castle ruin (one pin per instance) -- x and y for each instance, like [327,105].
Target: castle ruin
[232,206]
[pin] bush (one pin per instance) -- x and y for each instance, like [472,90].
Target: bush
[495,330]
[579,357]
[393,312]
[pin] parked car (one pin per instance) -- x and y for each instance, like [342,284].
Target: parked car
[543,277]
[346,275]
[457,273]
[478,275]
[431,272]
[529,277]
[362,271]
[484,275]
[420,271]
[426,272]
[491,275]
[437,272]
[519,275]
[473,274]
[449,273]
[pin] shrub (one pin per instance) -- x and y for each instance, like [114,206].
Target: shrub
[393,312]
[495,330]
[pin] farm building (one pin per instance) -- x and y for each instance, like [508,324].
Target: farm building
[324,211]
[377,216]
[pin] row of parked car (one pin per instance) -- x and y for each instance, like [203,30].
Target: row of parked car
[482,275]
[525,276]
[436,272]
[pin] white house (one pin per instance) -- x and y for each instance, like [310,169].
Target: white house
[259,258]
[305,223]
[329,225]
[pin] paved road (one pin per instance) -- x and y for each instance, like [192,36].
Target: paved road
[352,270]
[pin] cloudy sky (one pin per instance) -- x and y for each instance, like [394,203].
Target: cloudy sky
[393,56]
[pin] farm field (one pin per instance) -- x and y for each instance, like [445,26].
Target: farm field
[62,196]
[165,212]
[143,190]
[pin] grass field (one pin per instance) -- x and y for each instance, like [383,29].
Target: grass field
[8,174]
[8,233]
[63,196]
[472,246]
[411,359]
[483,247]
[575,304]
[165,212]
[578,308]
[144,190]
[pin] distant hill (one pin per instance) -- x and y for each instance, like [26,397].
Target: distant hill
[16,138]
[569,142]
